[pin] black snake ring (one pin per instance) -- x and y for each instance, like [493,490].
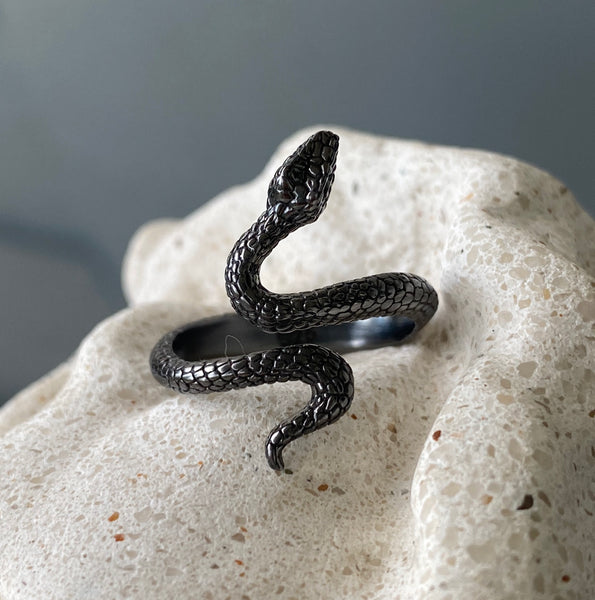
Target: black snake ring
[307,331]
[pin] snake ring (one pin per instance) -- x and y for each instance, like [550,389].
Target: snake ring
[298,336]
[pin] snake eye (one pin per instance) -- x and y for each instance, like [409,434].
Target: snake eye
[281,193]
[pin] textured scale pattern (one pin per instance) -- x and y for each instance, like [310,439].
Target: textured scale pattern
[328,374]
[297,195]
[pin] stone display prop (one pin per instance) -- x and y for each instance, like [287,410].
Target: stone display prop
[465,469]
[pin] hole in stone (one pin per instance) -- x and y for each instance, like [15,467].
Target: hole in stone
[526,503]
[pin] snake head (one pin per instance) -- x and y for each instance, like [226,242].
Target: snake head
[301,186]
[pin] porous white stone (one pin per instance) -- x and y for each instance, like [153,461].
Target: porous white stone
[464,470]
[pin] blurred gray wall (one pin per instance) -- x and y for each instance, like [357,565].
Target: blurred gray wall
[114,112]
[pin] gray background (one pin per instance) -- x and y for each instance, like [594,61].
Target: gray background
[115,112]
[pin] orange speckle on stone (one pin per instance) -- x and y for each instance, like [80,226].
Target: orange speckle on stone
[119,537]
[486,499]
[238,562]
[244,529]
[139,475]
[242,574]
[354,416]
[592,414]
[565,578]
[436,435]
[114,516]
[200,464]
[322,487]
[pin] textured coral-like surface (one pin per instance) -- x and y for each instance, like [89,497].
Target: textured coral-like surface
[465,468]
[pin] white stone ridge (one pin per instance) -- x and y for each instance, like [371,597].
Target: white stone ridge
[465,469]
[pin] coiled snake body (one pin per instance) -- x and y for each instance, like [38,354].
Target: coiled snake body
[297,195]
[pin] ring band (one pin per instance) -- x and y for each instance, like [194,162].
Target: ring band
[281,337]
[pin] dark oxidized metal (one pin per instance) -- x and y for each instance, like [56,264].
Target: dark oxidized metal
[306,330]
